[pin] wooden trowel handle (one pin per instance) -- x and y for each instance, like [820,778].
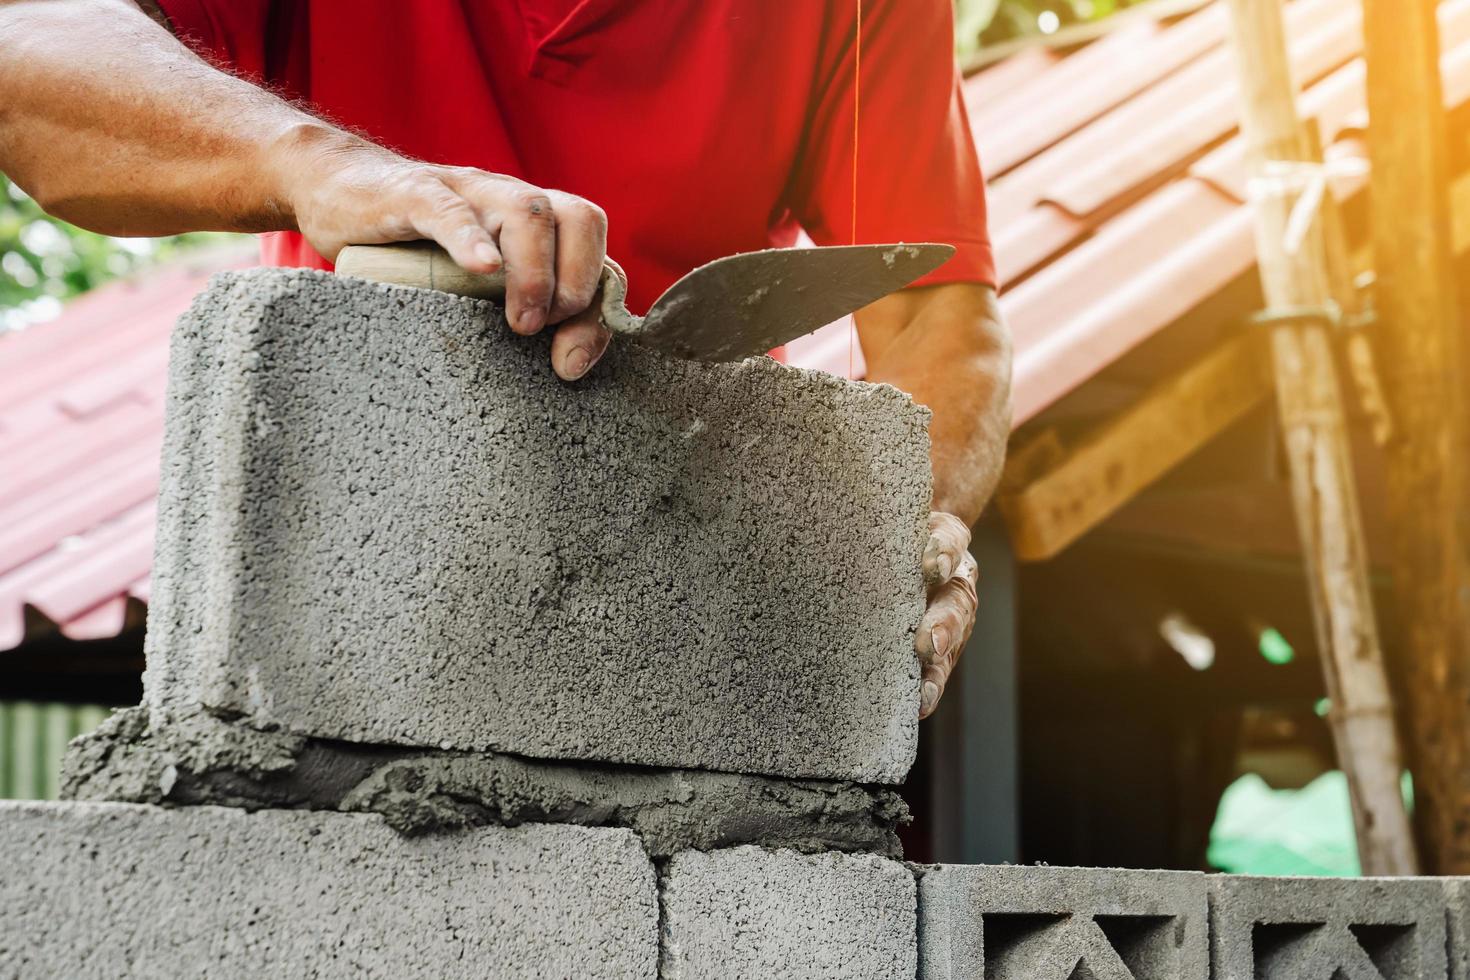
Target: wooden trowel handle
[421,264]
[427,266]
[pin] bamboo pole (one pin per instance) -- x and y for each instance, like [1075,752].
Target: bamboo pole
[1423,359]
[1314,429]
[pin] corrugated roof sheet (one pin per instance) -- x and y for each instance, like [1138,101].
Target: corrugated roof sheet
[1119,229]
[1118,208]
[81,420]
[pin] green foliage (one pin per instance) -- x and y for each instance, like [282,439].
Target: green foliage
[43,261]
[983,22]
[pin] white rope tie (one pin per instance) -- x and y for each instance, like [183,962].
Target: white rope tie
[1279,178]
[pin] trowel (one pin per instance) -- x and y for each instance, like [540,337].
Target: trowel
[727,310]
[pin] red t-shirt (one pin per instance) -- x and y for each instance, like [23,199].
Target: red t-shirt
[702,127]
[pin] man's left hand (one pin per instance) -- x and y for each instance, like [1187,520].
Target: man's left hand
[950,576]
[948,347]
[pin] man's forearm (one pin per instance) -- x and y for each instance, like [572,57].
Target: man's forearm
[111,123]
[948,347]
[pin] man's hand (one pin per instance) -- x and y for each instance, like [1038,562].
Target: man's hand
[183,146]
[948,347]
[345,191]
[950,575]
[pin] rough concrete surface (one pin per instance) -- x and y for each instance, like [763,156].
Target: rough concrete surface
[748,912]
[1040,923]
[98,890]
[1457,901]
[383,519]
[200,759]
[1289,928]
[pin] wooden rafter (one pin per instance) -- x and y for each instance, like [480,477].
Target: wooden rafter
[1053,494]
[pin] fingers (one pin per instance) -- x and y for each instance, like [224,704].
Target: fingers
[453,223]
[527,238]
[581,244]
[949,541]
[944,630]
[552,243]
[578,344]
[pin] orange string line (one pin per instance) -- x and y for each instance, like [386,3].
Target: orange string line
[857,82]
[857,79]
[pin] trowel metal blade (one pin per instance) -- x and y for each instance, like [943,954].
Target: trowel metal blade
[746,304]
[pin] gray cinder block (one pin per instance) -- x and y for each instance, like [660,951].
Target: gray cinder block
[105,890]
[1457,921]
[1039,923]
[1288,928]
[1457,899]
[383,519]
[750,912]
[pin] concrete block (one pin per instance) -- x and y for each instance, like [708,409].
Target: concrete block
[1289,928]
[1457,900]
[383,519]
[1040,923]
[749,912]
[105,890]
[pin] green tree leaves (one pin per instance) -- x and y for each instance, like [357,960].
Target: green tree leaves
[982,22]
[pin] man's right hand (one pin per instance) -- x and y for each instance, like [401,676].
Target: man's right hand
[346,191]
[180,146]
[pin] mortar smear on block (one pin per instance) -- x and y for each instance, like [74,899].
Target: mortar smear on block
[384,519]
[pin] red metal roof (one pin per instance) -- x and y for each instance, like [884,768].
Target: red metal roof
[81,419]
[1122,227]
[1118,208]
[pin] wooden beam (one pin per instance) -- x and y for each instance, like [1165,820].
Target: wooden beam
[1362,257]
[1460,214]
[1053,494]
[1297,266]
[1422,359]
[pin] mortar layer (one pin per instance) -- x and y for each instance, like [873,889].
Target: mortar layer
[383,519]
[102,890]
[199,759]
